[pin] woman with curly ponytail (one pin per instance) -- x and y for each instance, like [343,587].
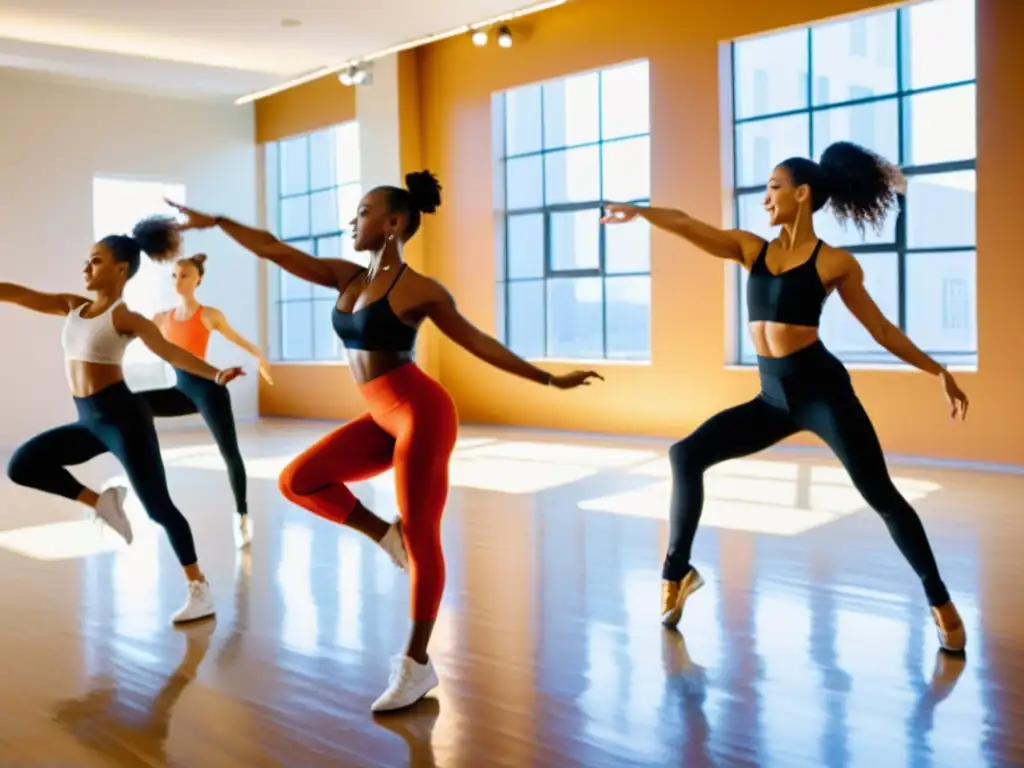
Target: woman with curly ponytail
[410,423]
[803,386]
[112,418]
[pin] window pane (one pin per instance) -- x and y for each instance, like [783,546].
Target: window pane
[294,157]
[270,185]
[628,314]
[324,347]
[938,43]
[770,74]
[627,169]
[571,111]
[747,353]
[841,331]
[845,235]
[627,247]
[942,293]
[874,126]
[625,101]
[522,120]
[296,330]
[572,176]
[761,145]
[294,217]
[324,211]
[941,126]
[575,310]
[524,183]
[845,56]
[327,248]
[348,203]
[291,286]
[323,163]
[753,217]
[941,210]
[526,245]
[574,240]
[526,318]
[346,150]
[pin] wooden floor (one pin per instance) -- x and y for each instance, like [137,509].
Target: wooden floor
[811,644]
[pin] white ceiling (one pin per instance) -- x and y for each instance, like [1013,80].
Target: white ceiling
[216,47]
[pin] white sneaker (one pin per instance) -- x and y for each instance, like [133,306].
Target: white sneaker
[199,604]
[243,531]
[110,509]
[394,545]
[409,682]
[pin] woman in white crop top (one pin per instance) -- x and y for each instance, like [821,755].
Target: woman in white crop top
[111,418]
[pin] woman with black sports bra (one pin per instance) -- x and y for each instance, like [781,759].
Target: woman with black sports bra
[803,386]
[411,423]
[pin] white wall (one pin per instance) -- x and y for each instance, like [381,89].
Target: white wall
[55,137]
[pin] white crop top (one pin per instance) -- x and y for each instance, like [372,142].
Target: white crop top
[93,339]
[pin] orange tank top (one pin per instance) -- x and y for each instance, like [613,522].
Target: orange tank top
[188,334]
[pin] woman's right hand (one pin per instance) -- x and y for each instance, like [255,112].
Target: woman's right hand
[228,374]
[264,368]
[193,219]
[615,213]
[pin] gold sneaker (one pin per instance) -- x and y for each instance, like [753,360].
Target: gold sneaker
[674,594]
[952,636]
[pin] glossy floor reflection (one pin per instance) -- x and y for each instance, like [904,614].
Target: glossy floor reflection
[811,645]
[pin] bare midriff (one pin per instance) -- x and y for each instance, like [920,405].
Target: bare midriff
[368,365]
[86,379]
[780,339]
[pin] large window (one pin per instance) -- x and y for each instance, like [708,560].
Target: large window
[118,205]
[902,83]
[567,287]
[312,184]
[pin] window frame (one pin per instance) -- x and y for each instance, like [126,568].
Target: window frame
[901,95]
[545,210]
[277,302]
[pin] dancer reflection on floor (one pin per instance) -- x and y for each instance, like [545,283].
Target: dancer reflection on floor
[803,385]
[411,423]
[189,325]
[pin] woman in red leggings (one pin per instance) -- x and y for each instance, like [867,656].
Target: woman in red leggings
[411,423]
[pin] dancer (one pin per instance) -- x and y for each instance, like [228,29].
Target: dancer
[189,326]
[110,416]
[411,423]
[803,386]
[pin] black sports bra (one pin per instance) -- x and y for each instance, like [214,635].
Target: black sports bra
[794,297]
[375,327]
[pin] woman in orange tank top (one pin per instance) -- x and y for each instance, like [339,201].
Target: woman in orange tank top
[190,325]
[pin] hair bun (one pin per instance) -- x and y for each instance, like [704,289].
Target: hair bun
[199,258]
[159,237]
[424,190]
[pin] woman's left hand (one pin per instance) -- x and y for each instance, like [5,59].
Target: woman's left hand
[575,379]
[265,372]
[193,219]
[228,374]
[954,396]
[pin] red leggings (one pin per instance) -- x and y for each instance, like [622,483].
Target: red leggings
[411,426]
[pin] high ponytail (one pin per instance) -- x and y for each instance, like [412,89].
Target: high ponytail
[859,185]
[157,236]
[421,195]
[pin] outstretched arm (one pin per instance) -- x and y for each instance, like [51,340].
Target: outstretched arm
[327,272]
[132,323]
[733,244]
[446,316]
[47,303]
[219,322]
[857,299]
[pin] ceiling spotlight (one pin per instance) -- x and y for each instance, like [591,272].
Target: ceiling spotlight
[504,36]
[480,38]
[360,76]
[347,76]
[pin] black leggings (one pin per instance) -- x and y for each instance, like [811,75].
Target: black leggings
[113,420]
[196,395]
[808,390]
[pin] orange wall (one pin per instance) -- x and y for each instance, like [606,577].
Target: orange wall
[316,104]
[688,380]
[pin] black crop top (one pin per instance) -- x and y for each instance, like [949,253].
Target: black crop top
[794,297]
[375,327]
